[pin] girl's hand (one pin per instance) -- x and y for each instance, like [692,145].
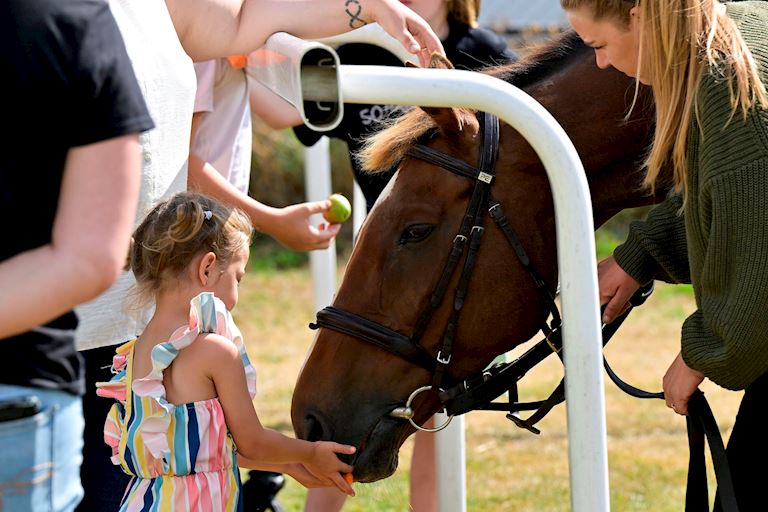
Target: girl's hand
[680,382]
[406,26]
[299,473]
[326,466]
[616,288]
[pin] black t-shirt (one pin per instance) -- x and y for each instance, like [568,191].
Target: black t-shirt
[67,82]
[466,47]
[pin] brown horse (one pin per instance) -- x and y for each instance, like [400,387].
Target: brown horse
[347,388]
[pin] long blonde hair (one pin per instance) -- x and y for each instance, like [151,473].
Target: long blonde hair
[680,40]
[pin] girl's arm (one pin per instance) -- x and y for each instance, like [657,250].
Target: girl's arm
[295,471]
[225,368]
[89,242]
[217,28]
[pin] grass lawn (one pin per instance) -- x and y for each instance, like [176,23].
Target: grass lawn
[507,468]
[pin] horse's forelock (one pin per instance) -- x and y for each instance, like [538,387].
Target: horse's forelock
[384,149]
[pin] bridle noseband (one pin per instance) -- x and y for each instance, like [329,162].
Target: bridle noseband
[465,245]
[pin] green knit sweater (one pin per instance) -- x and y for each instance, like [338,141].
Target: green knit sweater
[720,243]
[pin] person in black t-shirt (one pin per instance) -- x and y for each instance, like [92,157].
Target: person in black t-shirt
[69,179]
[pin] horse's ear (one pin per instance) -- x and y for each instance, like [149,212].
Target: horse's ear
[437,61]
[449,121]
[452,120]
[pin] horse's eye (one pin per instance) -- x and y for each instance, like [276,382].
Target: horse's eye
[416,233]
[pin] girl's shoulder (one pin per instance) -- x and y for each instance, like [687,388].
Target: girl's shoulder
[218,338]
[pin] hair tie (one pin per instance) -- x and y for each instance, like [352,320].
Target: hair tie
[208,214]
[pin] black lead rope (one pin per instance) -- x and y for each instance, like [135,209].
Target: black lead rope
[480,393]
[701,424]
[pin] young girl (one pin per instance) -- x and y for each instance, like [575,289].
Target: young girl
[184,388]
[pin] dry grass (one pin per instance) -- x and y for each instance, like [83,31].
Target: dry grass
[507,468]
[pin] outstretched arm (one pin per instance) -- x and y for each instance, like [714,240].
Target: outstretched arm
[290,225]
[261,445]
[217,28]
[271,108]
[89,242]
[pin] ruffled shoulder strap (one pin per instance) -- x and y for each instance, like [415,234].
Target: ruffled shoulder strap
[115,388]
[211,315]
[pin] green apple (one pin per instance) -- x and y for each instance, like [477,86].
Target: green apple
[340,209]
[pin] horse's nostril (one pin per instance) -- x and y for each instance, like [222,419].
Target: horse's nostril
[314,430]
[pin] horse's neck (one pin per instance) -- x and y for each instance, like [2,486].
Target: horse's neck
[591,105]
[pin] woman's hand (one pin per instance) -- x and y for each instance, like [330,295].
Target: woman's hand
[616,288]
[680,382]
[406,26]
[326,466]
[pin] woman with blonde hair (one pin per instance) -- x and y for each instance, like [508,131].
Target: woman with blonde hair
[707,64]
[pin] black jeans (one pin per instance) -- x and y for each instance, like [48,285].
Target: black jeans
[103,482]
[747,449]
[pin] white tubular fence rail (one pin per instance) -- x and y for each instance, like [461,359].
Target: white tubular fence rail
[338,84]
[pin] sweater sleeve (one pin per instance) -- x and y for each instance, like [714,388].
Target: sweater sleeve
[726,338]
[656,247]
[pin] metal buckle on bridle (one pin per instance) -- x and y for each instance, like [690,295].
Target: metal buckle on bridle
[406,412]
[485,177]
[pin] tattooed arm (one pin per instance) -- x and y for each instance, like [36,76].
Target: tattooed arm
[217,28]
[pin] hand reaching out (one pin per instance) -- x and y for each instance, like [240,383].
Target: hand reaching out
[291,227]
[406,26]
[299,473]
[326,466]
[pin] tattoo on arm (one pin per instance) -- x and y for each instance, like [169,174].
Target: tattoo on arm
[353,10]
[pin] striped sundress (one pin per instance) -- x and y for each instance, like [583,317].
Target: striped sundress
[181,457]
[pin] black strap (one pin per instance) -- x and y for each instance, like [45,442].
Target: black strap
[700,423]
[375,334]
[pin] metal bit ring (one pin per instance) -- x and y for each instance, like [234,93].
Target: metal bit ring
[419,427]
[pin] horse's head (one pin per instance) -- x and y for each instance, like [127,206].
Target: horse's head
[347,387]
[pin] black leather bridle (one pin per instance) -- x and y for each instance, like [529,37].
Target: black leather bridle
[467,241]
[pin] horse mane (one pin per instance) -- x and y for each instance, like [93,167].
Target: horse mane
[385,148]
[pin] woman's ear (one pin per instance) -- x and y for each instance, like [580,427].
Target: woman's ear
[206,267]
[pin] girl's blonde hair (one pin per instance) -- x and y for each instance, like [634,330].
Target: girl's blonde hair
[464,11]
[680,40]
[176,231]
